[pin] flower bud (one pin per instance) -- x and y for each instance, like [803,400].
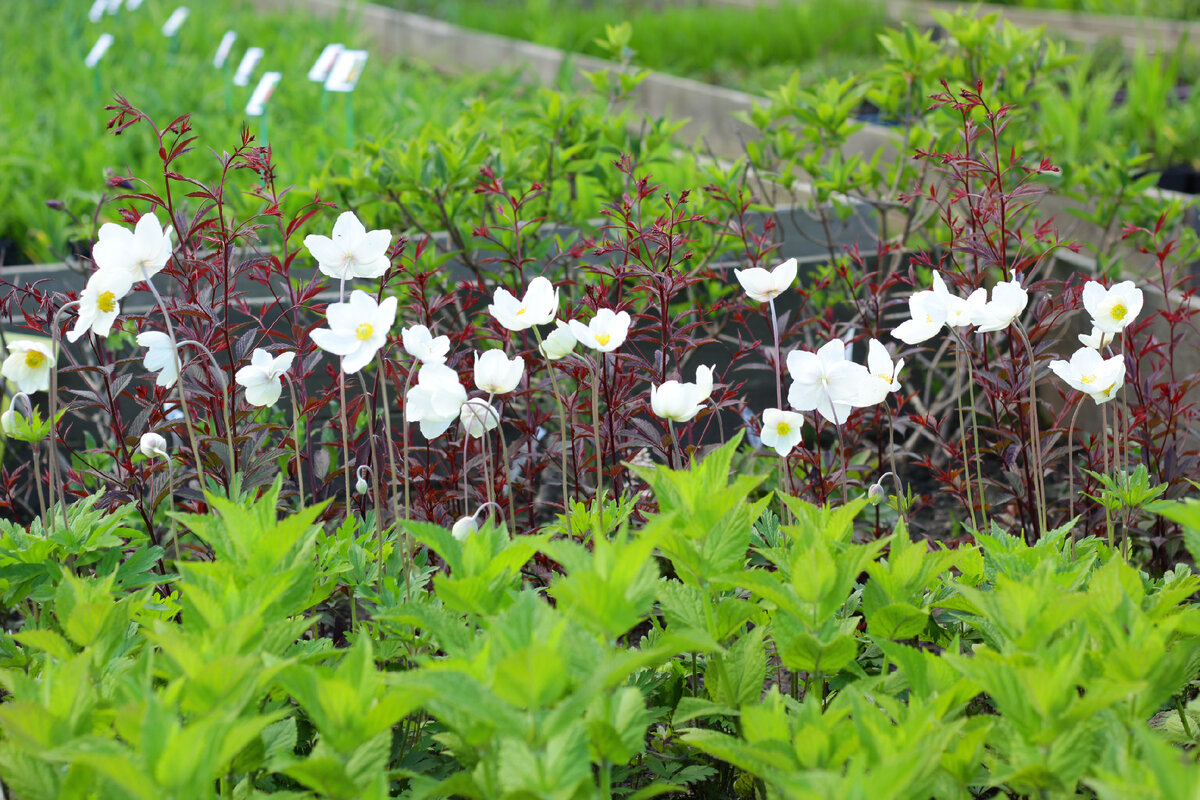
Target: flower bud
[8,422]
[464,528]
[559,343]
[153,445]
[876,494]
[360,485]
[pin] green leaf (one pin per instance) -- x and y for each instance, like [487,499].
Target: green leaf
[897,621]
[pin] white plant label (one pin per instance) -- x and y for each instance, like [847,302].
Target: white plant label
[324,63]
[246,67]
[96,12]
[175,22]
[262,93]
[223,49]
[114,6]
[346,71]
[98,50]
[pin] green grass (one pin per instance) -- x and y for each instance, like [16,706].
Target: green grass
[740,47]
[52,120]
[1165,9]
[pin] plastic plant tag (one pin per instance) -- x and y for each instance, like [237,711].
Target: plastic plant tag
[175,22]
[98,50]
[246,67]
[324,63]
[346,71]
[223,49]
[96,12]
[262,93]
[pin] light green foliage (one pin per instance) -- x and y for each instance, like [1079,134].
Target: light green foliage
[33,561]
[713,651]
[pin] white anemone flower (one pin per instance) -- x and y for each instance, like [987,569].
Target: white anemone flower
[559,342]
[28,365]
[606,331]
[679,402]
[357,329]
[478,417]
[1009,299]
[762,285]
[1092,373]
[927,312]
[152,444]
[139,254]
[263,377]
[160,357]
[424,346]
[353,252]
[435,400]
[882,375]
[99,303]
[1114,308]
[782,430]
[496,373]
[825,381]
[537,307]
[1097,339]
[960,312]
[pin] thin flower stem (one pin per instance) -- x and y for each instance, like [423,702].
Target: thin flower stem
[55,478]
[48,521]
[1121,478]
[1035,435]
[374,452]
[466,493]
[224,396]
[512,508]
[296,436]
[901,502]
[37,467]
[1104,433]
[345,435]
[675,442]
[562,421]
[342,412]
[975,436]
[962,431]
[837,426]
[489,481]
[171,503]
[598,503]
[407,464]
[1071,466]
[402,535]
[778,365]
[183,406]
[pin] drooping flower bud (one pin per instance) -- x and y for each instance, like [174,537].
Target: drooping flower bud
[152,444]
[464,528]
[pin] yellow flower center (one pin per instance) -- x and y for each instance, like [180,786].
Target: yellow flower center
[1119,311]
[603,338]
[783,429]
[364,331]
[928,319]
[521,311]
[1108,392]
[107,302]
[34,359]
[1087,378]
